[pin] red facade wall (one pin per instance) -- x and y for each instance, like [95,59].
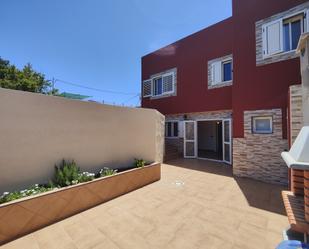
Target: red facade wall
[254,87]
[258,87]
[190,56]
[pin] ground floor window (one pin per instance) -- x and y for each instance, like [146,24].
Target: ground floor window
[262,125]
[171,129]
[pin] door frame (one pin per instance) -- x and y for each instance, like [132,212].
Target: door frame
[231,139]
[189,140]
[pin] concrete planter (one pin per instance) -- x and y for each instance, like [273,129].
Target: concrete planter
[26,215]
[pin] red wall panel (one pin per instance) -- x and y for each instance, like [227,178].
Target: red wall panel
[190,56]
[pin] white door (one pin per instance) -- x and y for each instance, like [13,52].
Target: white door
[227,141]
[190,148]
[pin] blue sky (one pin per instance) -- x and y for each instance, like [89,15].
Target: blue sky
[99,43]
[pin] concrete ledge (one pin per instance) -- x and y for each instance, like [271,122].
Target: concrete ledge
[23,216]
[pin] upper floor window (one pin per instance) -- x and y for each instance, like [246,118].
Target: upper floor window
[221,71]
[292,30]
[159,85]
[227,70]
[282,35]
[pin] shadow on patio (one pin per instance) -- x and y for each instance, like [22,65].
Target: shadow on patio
[258,194]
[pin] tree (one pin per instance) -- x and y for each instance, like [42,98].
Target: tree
[26,79]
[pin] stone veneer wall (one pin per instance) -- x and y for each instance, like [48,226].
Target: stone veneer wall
[257,156]
[160,126]
[178,142]
[296,111]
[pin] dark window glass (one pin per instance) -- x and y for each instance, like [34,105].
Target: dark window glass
[169,129]
[158,86]
[227,71]
[286,37]
[176,129]
[296,32]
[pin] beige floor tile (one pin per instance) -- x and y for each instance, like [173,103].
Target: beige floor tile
[210,210]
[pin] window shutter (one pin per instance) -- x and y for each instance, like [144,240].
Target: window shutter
[147,88]
[272,37]
[168,83]
[216,72]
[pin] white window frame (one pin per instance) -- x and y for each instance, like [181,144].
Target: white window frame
[305,27]
[290,27]
[254,131]
[162,76]
[172,129]
[226,61]
[153,86]
[220,63]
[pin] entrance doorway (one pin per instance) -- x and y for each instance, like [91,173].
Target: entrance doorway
[209,140]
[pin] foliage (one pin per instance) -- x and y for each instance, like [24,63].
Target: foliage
[66,174]
[86,177]
[36,189]
[107,172]
[26,79]
[139,163]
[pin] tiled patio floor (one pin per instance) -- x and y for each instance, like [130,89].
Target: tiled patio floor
[211,210]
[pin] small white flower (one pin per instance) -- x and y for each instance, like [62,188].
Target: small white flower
[6,193]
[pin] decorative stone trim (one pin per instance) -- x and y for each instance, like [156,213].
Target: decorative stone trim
[219,85]
[224,83]
[257,156]
[200,115]
[296,111]
[173,70]
[260,60]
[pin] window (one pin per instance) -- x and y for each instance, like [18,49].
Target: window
[227,70]
[171,129]
[262,125]
[282,35]
[159,85]
[292,29]
[221,71]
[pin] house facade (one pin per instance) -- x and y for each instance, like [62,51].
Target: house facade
[225,89]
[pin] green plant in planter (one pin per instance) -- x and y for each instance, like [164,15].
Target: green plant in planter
[33,190]
[139,163]
[86,177]
[107,172]
[66,174]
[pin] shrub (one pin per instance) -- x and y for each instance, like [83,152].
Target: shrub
[33,190]
[66,174]
[86,177]
[107,172]
[139,163]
